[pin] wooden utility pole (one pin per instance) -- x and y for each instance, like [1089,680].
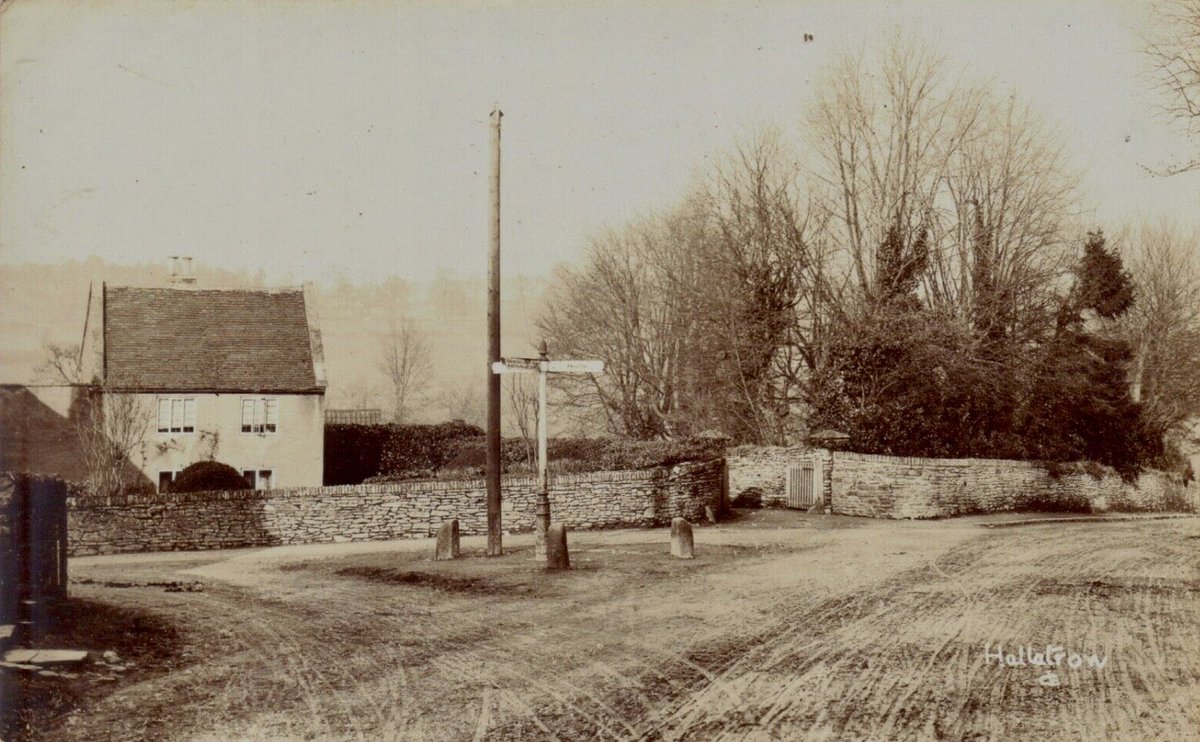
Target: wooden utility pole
[543,497]
[495,547]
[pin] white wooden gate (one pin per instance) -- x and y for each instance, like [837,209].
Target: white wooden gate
[801,492]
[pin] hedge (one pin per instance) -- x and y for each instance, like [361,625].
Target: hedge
[358,453]
[354,453]
[566,455]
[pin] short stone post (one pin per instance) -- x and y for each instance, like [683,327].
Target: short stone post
[681,539]
[556,547]
[447,541]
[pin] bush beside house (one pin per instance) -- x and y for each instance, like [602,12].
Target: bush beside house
[208,476]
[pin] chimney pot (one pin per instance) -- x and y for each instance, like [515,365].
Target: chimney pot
[181,271]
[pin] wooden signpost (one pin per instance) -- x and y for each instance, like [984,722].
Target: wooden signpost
[544,366]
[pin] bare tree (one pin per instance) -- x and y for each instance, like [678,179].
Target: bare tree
[112,428]
[60,366]
[760,294]
[705,315]
[922,170]
[620,307]
[463,400]
[522,392]
[927,194]
[1174,54]
[360,393]
[947,208]
[1163,327]
[998,245]
[405,362]
[884,132]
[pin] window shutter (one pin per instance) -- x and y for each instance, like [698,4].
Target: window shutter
[164,415]
[272,414]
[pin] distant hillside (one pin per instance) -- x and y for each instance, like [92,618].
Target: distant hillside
[42,304]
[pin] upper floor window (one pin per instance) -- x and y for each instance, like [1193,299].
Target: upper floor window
[260,415]
[176,415]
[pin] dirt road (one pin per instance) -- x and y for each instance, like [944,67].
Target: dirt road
[784,627]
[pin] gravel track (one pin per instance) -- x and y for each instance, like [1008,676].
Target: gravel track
[807,629]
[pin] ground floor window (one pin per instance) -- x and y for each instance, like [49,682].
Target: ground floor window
[165,479]
[259,479]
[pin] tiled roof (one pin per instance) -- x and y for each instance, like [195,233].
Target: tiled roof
[207,340]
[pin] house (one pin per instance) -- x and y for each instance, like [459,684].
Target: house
[232,375]
[38,434]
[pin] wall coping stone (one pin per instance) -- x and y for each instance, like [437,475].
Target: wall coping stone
[923,461]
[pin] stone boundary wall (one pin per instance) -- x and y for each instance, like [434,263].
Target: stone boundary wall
[369,512]
[763,468]
[905,487]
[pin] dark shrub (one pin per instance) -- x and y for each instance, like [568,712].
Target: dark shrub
[1069,503]
[355,453]
[352,452]
[749,498]
[1060,469]
[209,476]
[621,453]
[469,456]
[423,447]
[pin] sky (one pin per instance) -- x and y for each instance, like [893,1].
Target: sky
[349,141]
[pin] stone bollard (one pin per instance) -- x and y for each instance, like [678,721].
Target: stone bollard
[447,541]
[681,539]
[556,547]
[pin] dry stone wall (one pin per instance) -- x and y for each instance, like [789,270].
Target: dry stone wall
[905,487]
[217,520]
[763,468]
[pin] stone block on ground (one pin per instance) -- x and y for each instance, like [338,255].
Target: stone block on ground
[45,657]
[681,539]
[447,541]
[556,547]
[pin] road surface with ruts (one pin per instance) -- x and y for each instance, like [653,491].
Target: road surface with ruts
[785,626]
